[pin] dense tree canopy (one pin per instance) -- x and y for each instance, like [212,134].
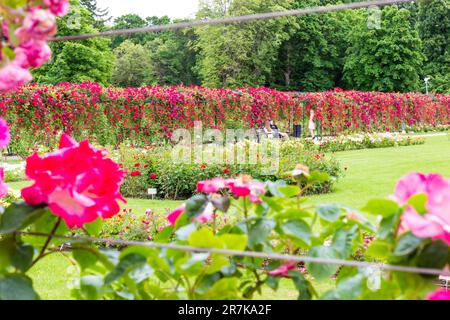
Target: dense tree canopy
[86,60]
[132,65]
[389,49]
[388,58]
[434,29]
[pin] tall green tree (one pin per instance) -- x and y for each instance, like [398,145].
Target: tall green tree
[239,54]
[385,58]
[312,59]
[173,59]
[77,61]
[434,29]
[132,65]
[131,21]
[100,16]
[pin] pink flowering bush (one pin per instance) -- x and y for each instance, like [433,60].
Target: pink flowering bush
[25,30]
[115,115]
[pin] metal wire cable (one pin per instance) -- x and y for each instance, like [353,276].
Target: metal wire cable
[262,255]
[229,20]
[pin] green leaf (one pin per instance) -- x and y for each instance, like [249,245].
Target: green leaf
[22,257]
[15,4]
[16,287]
[8,52]
[165,236]
[316,177]
[305,289]
[434,256]
[224,289]
[125,265]
[319,270]
[141,273]
[218,262]
[273,203]
[259,231]
[94,228]
[407,244]
[379,250]
[234,241]
[196,205]
[387,226]
[383,207]
[297,229]
[84,258]
[329,212]
[204,238]
[347,289]
[419,202]
[18,216]
[273,187]
[222,204]
[290,191]
[91,287]
[343,241]
[294,213]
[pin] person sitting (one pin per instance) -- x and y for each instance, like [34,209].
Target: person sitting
[272,131]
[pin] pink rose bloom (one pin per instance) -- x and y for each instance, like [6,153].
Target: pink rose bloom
[427,226]
[58,7]
[38,25]
[174,215]
[77,182]
[207,215]
[212,186]
[409,186]
[283,271]
[33,54]
[244,186]
[440,294]
[435,223]
[12,76]
[3,186]
[4,134]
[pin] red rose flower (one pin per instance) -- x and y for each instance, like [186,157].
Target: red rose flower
[135,173]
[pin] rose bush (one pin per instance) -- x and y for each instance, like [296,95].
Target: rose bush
[363,141]
[25,27]
[228,213]
[149,115]
[158,168]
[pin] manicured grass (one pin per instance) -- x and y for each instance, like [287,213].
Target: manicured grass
[370,174]
[373,173]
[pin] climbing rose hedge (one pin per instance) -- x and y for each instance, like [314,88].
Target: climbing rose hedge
[144,115]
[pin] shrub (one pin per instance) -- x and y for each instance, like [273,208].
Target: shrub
[157,169]
[363,141]
[150,115]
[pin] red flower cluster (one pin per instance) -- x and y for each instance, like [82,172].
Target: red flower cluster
[149,113]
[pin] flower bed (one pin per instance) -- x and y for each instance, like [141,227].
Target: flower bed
[143,116]
[155,168]
[363,141]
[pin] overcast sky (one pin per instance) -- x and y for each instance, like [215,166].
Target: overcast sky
[146,8]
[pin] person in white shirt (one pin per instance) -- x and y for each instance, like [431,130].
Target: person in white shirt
[312,124]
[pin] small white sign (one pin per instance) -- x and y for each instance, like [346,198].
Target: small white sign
[152,191]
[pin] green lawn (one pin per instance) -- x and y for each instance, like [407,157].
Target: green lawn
[370,173]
